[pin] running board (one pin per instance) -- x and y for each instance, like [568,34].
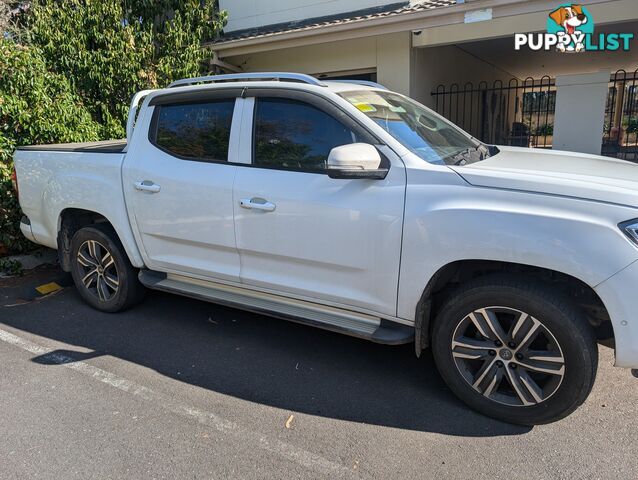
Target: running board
[348,322]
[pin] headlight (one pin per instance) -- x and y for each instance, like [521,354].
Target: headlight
[630,229]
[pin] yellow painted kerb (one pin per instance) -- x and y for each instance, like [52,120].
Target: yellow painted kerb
[48,288]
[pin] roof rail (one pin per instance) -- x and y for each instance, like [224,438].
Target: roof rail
[279,76]
[362,82]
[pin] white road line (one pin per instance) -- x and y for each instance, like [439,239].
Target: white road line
[298,455]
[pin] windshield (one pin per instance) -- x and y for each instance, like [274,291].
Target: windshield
[425,133]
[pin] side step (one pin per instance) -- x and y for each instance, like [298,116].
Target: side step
[329,318]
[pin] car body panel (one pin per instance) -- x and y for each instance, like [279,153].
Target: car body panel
[569,174]
[333,240]
[618,294]
[52,181]
[187,226]
[462,222]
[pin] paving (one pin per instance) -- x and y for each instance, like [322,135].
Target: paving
[178,388]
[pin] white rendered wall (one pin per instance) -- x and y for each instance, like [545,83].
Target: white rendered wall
[388,55]
[254,13]
[580,112]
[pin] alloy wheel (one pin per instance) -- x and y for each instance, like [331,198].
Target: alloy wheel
[508,356]
[98,271]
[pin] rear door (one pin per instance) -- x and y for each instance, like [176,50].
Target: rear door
[178,185]
[332,240]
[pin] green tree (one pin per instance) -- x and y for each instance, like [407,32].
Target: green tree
[36,106]
[68,69]
[110,49]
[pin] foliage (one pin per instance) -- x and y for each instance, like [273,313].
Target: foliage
[10,267]
[109,49]
[36,106]
[68,69]
[632,126]
[545,130]
[11,239]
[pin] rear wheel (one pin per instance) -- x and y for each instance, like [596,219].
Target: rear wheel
[101,270]
[514,350]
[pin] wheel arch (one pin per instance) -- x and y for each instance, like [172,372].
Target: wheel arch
[70,220]
[450,276]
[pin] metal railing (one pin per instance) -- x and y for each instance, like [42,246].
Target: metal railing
[278,76]
[620,136]
[519,113]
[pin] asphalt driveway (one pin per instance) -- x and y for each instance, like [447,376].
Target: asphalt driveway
[178,388]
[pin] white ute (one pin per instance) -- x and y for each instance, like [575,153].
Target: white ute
[355,209]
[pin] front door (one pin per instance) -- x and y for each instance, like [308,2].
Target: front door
[179,186]
[299,231]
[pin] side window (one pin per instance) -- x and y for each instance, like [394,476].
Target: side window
[295,135]
[198,131]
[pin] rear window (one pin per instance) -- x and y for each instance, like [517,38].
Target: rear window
[196,131]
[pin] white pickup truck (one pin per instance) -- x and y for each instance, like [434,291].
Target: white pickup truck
[352,208]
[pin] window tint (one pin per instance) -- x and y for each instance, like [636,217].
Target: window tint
[200,131]
[295,135]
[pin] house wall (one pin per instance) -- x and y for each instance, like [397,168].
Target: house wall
[447,65]
[388,55]
[508,20]
[254,13]
[580,112]
[528,63]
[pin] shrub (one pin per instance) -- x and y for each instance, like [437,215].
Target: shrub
[68,69]
[545,130]
[109,49]
[36,106]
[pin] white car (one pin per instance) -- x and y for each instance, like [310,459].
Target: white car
[352,208]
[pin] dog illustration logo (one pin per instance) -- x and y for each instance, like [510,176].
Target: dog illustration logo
[573,23]
[570,29]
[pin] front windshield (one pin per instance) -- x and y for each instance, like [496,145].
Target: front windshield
[425,133]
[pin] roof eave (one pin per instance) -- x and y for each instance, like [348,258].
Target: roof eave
[407,21]
[400,22]
[329,33]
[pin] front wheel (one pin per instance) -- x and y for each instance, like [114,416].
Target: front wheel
[515,351]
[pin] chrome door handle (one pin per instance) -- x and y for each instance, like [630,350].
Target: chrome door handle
[256,203]
[147,186]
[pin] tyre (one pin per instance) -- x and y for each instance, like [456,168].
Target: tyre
[101,270]
[515,350]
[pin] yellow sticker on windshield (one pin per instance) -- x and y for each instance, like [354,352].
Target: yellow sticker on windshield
[365,107]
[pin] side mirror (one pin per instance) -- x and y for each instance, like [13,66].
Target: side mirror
[356,160]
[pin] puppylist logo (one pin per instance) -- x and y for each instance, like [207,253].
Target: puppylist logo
[570,29]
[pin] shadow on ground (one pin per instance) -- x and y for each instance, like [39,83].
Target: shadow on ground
[262,360]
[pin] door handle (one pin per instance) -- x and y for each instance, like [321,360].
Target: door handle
[147,186]
[256,203]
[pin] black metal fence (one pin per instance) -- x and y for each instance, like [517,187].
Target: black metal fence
[620,137]
[519,113]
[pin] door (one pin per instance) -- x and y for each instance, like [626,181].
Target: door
[179,187]
[300,232]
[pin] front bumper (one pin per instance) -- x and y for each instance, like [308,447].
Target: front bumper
[620,297]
